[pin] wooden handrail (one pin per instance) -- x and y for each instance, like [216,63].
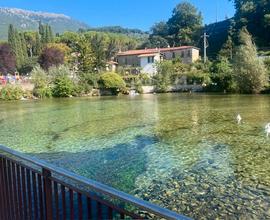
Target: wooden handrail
[96,186]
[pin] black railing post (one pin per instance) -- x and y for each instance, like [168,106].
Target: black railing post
[2,202]
[48,193]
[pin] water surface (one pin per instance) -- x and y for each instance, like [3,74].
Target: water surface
[183,152]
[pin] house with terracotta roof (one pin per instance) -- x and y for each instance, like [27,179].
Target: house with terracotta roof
[146,58]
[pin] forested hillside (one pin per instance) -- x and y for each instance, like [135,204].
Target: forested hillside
[218,34]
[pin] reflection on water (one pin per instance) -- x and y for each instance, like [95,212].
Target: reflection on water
[183,152]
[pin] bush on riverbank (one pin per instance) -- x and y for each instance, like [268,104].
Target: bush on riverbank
[175,73]
[222,77]
[41,82]
[11,92]
[112,81]
[63,86]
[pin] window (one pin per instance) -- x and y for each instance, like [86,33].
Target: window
[126,61]
[173,55]
[150,59]
[182,54]
[189,53]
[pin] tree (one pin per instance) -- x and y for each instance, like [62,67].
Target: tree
[255,15]
[30,39]
[155,42]
[184,25]
[28,65]
[23,46]
[161,29]
[85,55]
[222,76]
[40,28]
[62,47]
[162,80]
[249,71]
[183,28]
[12,38]
[226,51]
[267,65]
[112,49]
[37,47]
[51,57]
[98,47]
[71,39]
[14,42]
[7,59]
[46,33]
[50,34]
[18,44]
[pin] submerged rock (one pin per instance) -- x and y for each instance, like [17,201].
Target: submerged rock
[199,195]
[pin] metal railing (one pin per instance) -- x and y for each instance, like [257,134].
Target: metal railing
[33,189]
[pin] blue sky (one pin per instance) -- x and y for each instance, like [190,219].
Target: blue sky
[127,13]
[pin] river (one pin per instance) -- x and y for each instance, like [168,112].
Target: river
[184,152]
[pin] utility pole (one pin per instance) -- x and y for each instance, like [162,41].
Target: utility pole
[205,46]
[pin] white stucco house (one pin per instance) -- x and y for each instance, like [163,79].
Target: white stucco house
[146,59]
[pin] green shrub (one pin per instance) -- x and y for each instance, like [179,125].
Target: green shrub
[57,71]
[112,81]
[162,80]
[28,65]
[138,86]
[41,80]
[11,92]
[222,77]
[42,92]
[88,81]
[80,90]
[63,86]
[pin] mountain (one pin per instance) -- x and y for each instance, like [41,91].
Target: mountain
[28,20]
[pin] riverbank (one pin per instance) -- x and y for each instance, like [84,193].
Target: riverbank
[25,91]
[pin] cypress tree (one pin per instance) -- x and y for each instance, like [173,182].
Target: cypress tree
[46,38]
[43,33]
[19,51]
[12,38]
[41,28]
[226,50]
[14,42]
[23,46]
[37,47]
[18,45]
[50,34]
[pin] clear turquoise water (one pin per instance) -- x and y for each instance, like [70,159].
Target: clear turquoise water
[183,152]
